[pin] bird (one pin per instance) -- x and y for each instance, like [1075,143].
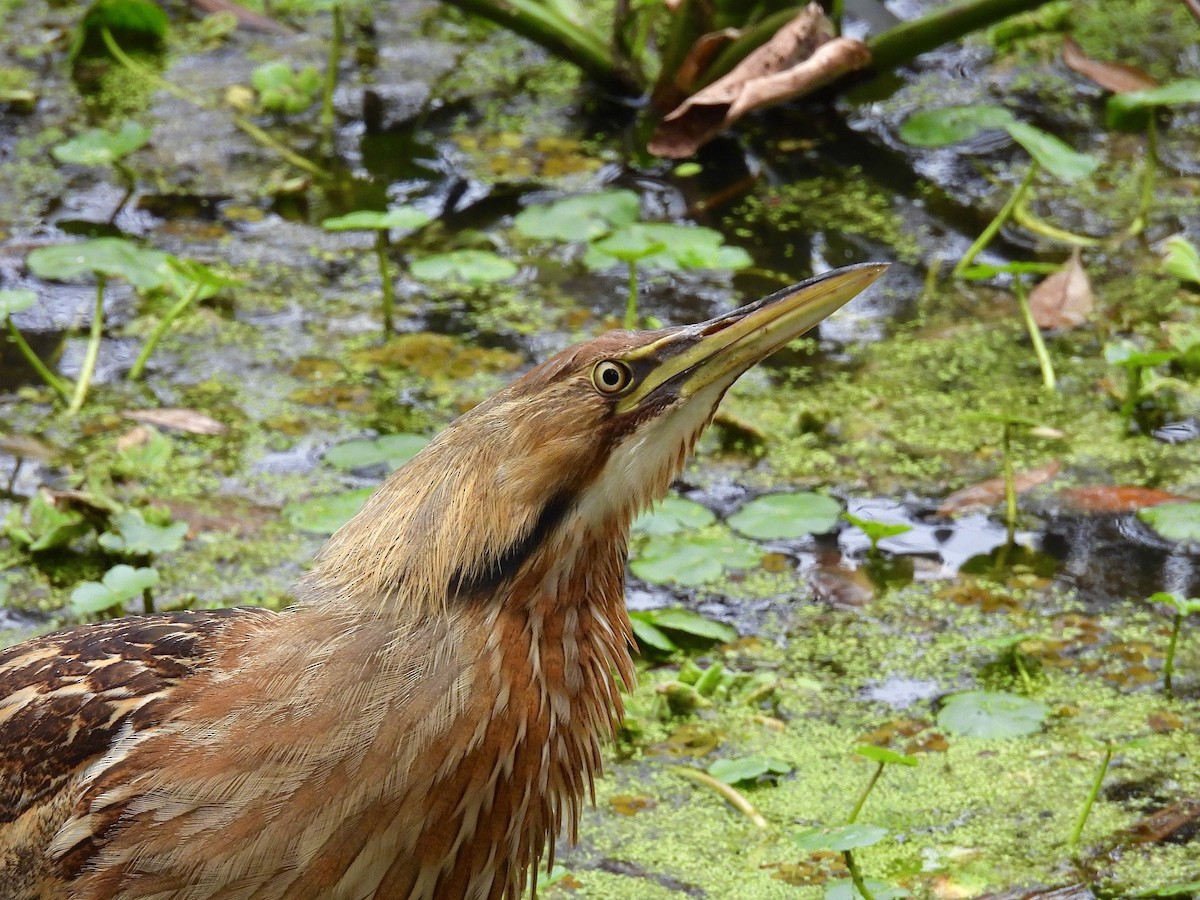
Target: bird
[428,718]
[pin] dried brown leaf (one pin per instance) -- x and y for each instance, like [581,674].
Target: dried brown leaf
[178,419]
[801,57]
[989,493]
[1116,77]
[1064,299]
[1114,499]
[246,18]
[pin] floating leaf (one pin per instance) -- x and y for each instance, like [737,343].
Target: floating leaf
[1182,260]
[470,266]
[991,714]
[101,148]
[786,516]
[579,218]
[685,621]
[683,247]
[119,585]
[401,218]
[1052,154]
[393,449]
[132,535]
[1174,521]
[692,557]
[876,531]
[1129,110]
[1065,299]
[143,268]
[951,124]
[747,768]
[884,755]
[325,515]
[13,300]
[673,514]
[649,635]
[839,837]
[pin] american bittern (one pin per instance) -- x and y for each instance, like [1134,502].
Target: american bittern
[429,716]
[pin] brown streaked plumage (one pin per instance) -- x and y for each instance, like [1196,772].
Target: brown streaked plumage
[429,716]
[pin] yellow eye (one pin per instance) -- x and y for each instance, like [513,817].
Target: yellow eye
[611,377]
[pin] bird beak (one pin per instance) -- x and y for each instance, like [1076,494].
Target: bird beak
[695,357]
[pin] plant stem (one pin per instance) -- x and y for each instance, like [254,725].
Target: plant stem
[1169,662]
[734,797]
[1077,832]
[994,226]
[130,179]
[856,878]
[160,329]
[148,601]
[1023,672]
[1024,217]
[52,381]
[1149,171]
[908,40]
[631,302]
[1035,335]
[92,352]
[331,74]
[862,798]
[385,276]
[1133,390]
[1010,484]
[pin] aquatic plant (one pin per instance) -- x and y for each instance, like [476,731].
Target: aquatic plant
[101,147]
[15,301]
[876,531]
[119,585]
[1182,607]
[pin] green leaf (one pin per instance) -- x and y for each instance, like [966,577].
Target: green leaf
[1128,110]
[325,515]
[648,635]
[114,257]
[982,271]
[991,714]
[1177,889]
[844,889]
[140,17]
[951,124]
[150,456]
[101,148]
[119,585]
[579,218]
[134,536]
[786,516]
[747,768]
[1174,521]
[13,300]
[401,218]
[1185,606]
[839,837]
[876,531]
[884,755]
[1128,355]
[1182,260]
[683,247]
[49,527]
[393,449]
[1052,154]
[470,266]
[692,557]
[283,90]
[674,618]
[673,514]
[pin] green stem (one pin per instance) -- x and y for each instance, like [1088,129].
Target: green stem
[1169,663]
[160,329]
[1023,672]
[631,302]
[91,354]
[52,381]
[1077,832]
[1010,484]
[856,877]
[148,601]
[1133,390]
[130,178]
[862,798]
[1035,335]
[385,276]
[331,74]
[994,226]
[1149,172]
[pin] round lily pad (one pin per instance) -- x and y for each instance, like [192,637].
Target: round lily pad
[13,300]
[840,837]
[470,266]
[991,714]
[1174,521]
[692,557]
[325,515]
[673,514]
[119,585]
[786,516]
[99,147]
[393,449]
[402,218]
[951,124]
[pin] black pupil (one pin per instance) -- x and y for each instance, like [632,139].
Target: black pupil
[611,376]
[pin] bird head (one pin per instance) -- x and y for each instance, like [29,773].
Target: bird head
[565,456]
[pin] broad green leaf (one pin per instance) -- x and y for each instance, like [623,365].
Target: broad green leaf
[119,585]
[134,536]
[951,124]
[325,515]
[884,755]
[786,516]
[402,218]
[579,218]
[1128,110]
[141,17]
[48,526]
[151,455]
[629,244]
[393,449]
[674,618]
[747,768]
[1052,154]
[876,531]
[470,266]
[991,714]
[839,837]
[1185,606]
[115,257]
[1182,260]
[13,300]
[683,247]
[648,635]
[99,147]
[1174,521]
[692,557]
[673,514]
[844,889]
[1128,355]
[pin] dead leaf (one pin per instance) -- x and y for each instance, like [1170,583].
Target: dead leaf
[989,493]
[801,57]
[670,94]
[188,420]
[247,18]
[134,437]
[1114,499]
[1168,823]
[1064,299]
[1116,77]
[24,446]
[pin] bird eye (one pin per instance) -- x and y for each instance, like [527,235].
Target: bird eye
[611,377]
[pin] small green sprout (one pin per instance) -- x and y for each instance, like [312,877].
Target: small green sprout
[1017,270]
[1183,608]
[119,585]
[14,301]
[1138,365]
[100,147]
[876,531]
[283,90]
